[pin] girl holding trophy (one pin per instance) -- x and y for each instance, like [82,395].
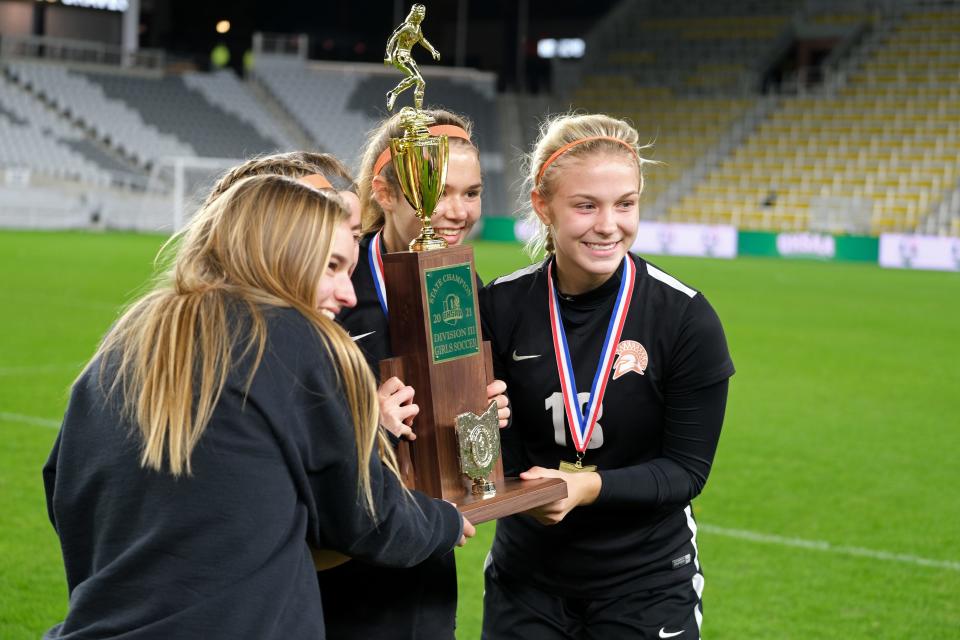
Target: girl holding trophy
[226,423]
[419,602]
[618,374]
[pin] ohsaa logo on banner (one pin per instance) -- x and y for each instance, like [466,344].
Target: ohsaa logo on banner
[818,245]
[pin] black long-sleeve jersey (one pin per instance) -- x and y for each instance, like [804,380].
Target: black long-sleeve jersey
[656,435]
[223,552]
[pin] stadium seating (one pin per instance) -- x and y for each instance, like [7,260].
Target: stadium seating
[886,140]
[25,146]
[85,103]
[25,109]
[317,100]
[37,139]
[684,75]
[874,151]
[71,130]
[875,148]
[147,117]
[224,90]
[173,108]
[681,129]
[338,105]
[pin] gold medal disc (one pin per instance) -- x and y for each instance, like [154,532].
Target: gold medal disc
[576,467]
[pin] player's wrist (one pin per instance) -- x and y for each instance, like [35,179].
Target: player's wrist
[588,487]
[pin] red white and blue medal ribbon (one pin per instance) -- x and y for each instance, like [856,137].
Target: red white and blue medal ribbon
[583,422]
[376,270]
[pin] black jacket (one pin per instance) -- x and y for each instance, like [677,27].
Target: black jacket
[223,553]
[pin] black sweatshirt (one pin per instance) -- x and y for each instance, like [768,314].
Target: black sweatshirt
[223,553]
[654,444]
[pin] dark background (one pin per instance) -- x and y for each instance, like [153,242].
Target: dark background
[358,30]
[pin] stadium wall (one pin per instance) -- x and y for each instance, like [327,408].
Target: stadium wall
[898,251]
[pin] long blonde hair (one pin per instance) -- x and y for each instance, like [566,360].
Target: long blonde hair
[266,241]
[561,130]
[372,214]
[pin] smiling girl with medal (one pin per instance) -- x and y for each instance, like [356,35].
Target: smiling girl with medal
[362,600]
[618,375]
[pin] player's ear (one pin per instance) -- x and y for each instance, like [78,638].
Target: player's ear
[540,207]
[383,193]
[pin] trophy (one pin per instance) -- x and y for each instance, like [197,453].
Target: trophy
[420,161]
[435,328]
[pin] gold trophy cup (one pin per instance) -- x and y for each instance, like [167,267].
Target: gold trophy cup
[420,160]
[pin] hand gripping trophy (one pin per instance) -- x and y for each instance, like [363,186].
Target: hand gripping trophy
[398,54]
[435,328]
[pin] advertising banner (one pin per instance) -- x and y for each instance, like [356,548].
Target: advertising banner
[675,239]
[672,239]
[908,251]
[809,245]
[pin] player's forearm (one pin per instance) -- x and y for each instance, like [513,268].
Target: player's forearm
[692,430]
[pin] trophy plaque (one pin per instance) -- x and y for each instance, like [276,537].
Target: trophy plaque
[435,330]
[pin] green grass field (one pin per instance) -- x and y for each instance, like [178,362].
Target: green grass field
[833,509]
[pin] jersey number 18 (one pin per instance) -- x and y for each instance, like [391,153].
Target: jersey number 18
[554,404]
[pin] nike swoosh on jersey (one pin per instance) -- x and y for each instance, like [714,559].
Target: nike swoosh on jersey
[669,634]
[362,335]
[517,358]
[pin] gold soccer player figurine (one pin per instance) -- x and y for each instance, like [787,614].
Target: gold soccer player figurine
[398,54]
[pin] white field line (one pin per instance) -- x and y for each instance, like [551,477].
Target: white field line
[821,545]
[40,368]
[739,534]
[31,420]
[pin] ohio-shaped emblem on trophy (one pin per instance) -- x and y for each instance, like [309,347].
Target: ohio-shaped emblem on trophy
[479,439]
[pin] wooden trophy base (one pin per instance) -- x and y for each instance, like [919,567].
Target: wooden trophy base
[438,348]
[513,496]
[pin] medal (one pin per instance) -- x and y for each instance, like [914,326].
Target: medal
[576,467]
[376,270]
[583,422]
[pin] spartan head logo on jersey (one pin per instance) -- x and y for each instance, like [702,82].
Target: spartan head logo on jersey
[631,356]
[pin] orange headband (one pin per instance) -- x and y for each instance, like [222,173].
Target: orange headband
[562,150]
[316,180]
[451,130]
